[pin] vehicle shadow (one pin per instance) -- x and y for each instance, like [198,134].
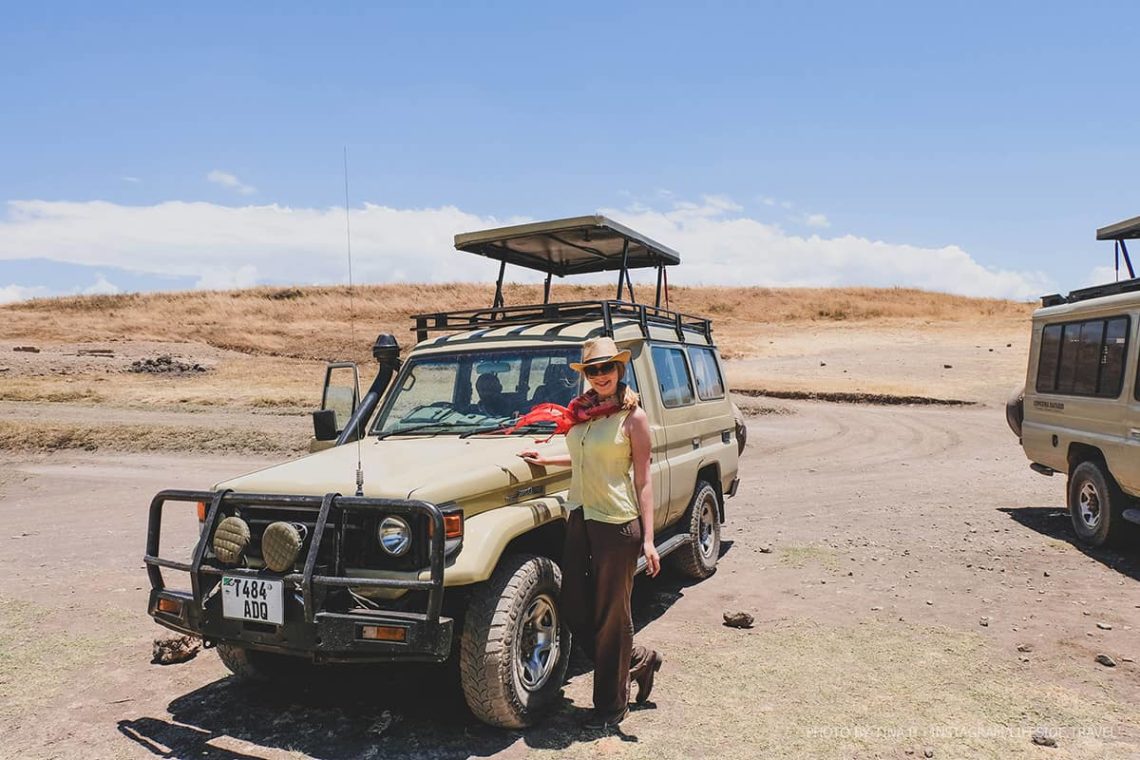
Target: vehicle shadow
[407,710]
[1055,523]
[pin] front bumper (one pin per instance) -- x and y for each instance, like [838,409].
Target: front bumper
[309,629]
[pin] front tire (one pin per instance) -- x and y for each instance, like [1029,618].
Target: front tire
[515,647]
[698,558]
[1096,505]
[266,667]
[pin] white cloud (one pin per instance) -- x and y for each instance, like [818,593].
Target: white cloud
[101,287]
[11,293]
[227,278]
[227,180]
[225,246]
[816,220]
[1104,275]
[132,180]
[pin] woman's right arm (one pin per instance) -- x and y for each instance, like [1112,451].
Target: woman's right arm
[530,456]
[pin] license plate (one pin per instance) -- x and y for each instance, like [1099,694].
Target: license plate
[255,599]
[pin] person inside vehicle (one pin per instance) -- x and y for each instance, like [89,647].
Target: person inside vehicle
[491,398]
[558,384]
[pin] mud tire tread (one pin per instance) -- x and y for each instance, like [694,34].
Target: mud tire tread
[486,659]
[688,560]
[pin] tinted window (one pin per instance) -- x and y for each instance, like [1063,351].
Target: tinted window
[1112,358]
[1084,358]
[1088,358]
[706,373]
[1070,346]
[1047,363]
[672,376]
[630,377]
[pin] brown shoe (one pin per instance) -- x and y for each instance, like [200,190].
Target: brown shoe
[644,678]
[598,721]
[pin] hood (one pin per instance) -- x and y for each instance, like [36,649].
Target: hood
[471,471]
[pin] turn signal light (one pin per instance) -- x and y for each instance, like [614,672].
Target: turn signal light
[384,633]
[452,525]
[169,606]
[201,511]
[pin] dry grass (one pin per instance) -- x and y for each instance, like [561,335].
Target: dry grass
[35,665]
[314,322]
[39,437]
[859,691]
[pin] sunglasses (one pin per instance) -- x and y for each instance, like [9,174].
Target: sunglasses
[594,370]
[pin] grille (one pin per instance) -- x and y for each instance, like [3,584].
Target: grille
[349,540]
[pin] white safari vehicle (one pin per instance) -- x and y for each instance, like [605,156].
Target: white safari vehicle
[1081,410]
[415,532]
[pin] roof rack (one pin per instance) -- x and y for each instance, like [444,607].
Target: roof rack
[578,311]
[579,245]
[1129,229]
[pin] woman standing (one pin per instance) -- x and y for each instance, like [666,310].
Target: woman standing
[609,525]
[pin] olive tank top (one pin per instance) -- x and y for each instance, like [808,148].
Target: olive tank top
[601,464]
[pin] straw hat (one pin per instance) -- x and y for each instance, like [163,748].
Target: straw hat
[600,351]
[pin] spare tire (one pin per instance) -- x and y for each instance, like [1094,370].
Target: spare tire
[741,429]
[1015,410]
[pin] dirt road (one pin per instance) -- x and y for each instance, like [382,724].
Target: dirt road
[896,560]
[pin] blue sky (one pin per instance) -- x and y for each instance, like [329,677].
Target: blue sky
[971,147]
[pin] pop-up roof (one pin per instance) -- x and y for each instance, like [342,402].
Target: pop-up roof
[563,247]
[1129,229]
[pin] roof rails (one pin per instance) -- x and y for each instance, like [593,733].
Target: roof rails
[1129,229]
[578,311]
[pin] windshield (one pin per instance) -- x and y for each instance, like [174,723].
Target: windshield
[478,390]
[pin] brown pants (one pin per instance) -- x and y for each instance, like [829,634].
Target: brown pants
[598,564]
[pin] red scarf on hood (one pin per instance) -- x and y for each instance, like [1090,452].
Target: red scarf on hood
[582,409]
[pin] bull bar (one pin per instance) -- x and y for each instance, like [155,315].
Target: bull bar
[308,630]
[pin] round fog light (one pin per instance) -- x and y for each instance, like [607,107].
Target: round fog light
[231,538]
[280,545]
[395,536]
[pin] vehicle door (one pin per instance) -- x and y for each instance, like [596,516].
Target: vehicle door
[680,419]
[658,459]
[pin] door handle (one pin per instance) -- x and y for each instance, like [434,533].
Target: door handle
[696,443]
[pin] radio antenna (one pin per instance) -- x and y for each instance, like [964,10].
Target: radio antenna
[352,314]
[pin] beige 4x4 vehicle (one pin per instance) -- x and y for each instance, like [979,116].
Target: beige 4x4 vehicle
[418,533]
[1081,410]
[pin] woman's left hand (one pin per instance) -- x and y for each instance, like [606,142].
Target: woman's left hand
[652,559]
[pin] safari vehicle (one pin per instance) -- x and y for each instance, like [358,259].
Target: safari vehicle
[1080,414]
[418,533]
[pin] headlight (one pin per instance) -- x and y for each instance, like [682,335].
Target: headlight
[395,536]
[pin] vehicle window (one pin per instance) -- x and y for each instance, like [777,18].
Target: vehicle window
[458,393]
[1088,358]
[710,385]
[1084,358]
[630,378]
[1070,345]
[672,376]
[1112,358]
[1047,361]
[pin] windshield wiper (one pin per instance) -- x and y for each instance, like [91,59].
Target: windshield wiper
[520,429]
[408,430]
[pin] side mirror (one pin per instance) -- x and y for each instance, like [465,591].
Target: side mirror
[324,425]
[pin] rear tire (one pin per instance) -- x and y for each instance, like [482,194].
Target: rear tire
[698,558]
[1096,505]
[515,646]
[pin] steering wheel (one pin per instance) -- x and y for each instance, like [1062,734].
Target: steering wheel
[445,406]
